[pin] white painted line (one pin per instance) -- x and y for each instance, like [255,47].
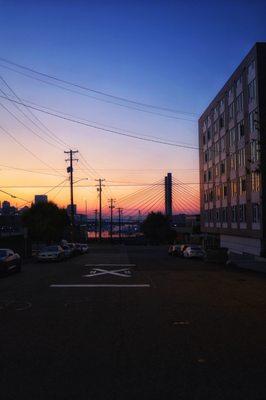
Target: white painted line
[125,272]
[100,285]
[110,265]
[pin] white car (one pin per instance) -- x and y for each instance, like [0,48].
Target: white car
[9,261]
[194,251]
[51,253]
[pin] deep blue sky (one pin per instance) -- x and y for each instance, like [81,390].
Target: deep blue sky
[175,54]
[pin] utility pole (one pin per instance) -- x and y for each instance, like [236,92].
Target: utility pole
[112,201]
[99,189]
[96,222]
[120,211]
[70,171]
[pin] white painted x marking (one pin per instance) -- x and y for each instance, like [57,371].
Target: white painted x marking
[125,272]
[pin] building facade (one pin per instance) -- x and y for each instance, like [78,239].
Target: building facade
[232,142]
[41,198]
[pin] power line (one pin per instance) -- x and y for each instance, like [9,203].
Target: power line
[14,196]
[138,103]
[46,130]
[27,127]
[26,149]
[99,99]
[102,129]
[27,170]
[96,122]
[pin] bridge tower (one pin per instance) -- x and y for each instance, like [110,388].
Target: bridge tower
[168,194]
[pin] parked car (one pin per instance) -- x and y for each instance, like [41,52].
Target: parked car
[68,251]
[82,247]
[175,250]
[9,261]
[74,249]
[51,253]
[194,251]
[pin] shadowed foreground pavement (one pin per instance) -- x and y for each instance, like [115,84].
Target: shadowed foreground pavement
[180,329]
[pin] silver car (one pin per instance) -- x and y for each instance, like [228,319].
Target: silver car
[51,253]
[194,251]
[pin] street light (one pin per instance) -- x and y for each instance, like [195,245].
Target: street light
[82,179]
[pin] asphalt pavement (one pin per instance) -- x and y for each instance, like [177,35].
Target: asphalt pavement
[125,322]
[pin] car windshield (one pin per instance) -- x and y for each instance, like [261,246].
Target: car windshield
[51,248]
[3,253]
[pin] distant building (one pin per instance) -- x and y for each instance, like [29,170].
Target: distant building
[41,198]
[233,159]
[6,207]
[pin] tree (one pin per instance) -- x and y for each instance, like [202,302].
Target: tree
[157,228]
[45,222]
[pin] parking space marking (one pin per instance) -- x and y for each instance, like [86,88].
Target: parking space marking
[101,285]
[125,272]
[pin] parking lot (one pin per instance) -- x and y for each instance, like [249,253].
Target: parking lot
[128,322]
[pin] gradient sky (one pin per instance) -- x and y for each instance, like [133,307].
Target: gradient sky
[174,54]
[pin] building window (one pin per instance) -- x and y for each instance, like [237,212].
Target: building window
[242,213]
[223,145]
[255,150]
[223,167]
[253,121]
[239,82]
[218,192]
[233,161]
[224,214]
[217,215]
[209,175]
[239,103]
[241,158]
[204,139]
[234,214]
[251,67]
[221,121]
[252,91]
[211,195]
[204,177]
[221,105]
[240,130]
[211,152]
[232,111]
[217,170]
[231,92]
[224,191]
[232,136]
[211,215]
[255,181]
[233,188]
[255,213]
[242,182]
[206,156]
[217,149]
[215,127]
[209,135]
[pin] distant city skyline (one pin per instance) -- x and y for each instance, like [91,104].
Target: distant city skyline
[173,55]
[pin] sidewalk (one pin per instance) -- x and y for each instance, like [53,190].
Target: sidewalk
[248,261]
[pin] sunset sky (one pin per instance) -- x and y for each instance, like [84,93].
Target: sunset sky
[170,54]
